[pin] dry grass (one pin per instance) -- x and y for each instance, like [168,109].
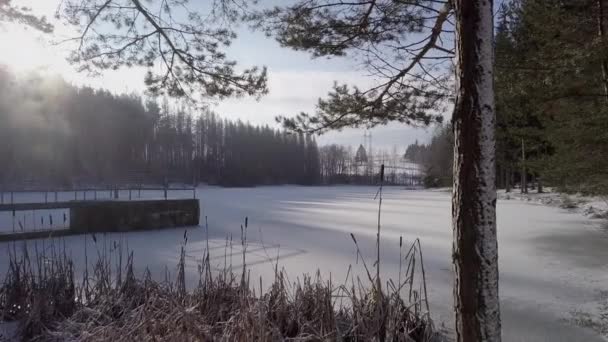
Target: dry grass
[110,303]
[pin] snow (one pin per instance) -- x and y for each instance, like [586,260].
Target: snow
[552,261]
[594,207]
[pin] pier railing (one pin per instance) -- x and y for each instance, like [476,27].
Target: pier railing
[116,193]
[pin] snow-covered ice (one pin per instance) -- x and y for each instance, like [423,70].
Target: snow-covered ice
[552,261]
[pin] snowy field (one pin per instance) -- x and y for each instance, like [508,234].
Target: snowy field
[553,270]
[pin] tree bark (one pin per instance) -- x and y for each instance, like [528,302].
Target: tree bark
[601,32]
[500,177]
[524,176]
[475,250]
[508,180]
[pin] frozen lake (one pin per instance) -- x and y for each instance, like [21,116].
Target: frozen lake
[553,266]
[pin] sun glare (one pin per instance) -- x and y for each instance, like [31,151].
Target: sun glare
[24,49]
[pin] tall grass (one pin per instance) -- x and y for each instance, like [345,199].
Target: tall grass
[110,303]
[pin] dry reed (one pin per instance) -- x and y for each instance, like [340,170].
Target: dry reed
[109,303]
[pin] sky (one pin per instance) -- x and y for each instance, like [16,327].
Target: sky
[295,80]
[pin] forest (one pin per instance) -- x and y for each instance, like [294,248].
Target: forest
[551,94]
[62,136]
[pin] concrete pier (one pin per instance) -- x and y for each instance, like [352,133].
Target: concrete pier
[112,216]
[128,216]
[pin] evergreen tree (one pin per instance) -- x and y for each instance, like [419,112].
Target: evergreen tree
[551,95]
[361,156]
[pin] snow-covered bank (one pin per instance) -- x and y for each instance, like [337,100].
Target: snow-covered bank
[593,207]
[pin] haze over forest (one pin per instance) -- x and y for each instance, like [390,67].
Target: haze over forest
[295,80]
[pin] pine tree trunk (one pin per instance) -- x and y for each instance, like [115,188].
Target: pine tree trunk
[508,180]
[524,179]
[475,252]
[500,177]
[532,182]
[601,32]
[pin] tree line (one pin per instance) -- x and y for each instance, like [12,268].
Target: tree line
[435,157]
[58,134]
[345,165]
[62,135]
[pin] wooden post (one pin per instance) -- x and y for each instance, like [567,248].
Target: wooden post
[12,198]
[46,197]
[129,194]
